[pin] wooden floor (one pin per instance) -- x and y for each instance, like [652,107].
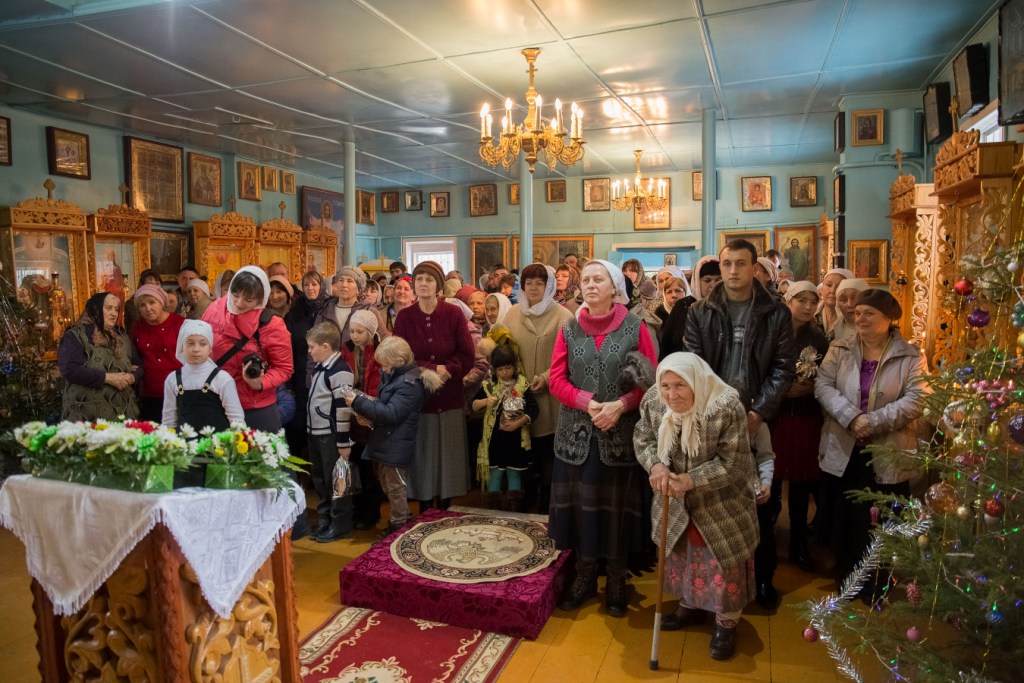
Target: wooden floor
[583,646]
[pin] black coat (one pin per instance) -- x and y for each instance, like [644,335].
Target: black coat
[674,328]
[767,344]
[395,416]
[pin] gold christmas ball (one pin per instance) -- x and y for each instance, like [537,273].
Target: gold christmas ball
[941,498]
[1020,340]
[963,512]
[922,540]
[994,433]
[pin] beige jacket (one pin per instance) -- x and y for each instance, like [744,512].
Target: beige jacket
[536,336]
[895,403]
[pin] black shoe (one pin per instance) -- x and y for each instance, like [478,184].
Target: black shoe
[616,596]
[800,555]
[767,596]
[333,535]
[364,524]
[301,528]
[683,617]
[723,643]
[583,587]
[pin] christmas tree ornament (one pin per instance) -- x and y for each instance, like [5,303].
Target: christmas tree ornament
[875,515]
[1020,340]
[922,541]
[914,593]
[1012,266]
[811,634]
[994,507]
[941,498]
[964,287]
[1015,426]
[963,512]
[957,622]
[913,634]
[979,318]
[992,523]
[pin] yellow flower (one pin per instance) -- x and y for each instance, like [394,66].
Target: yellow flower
[100,427]
[218,451]
[243,447]
[91,454]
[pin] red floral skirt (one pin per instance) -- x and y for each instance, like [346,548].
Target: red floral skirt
[795,440]
[693,574]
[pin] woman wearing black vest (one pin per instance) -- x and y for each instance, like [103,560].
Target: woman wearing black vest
[596,493]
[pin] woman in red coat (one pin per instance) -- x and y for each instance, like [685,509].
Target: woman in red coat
[237,315]
[155,337]
[440,341]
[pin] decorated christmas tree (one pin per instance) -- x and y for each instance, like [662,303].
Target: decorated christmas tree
[29,381]
[950,566]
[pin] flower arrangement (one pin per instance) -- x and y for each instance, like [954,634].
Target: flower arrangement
[83,451]
[245,458]
[807,363]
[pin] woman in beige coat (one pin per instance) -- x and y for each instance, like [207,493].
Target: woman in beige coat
[534,326]
[692,439]
[871,388]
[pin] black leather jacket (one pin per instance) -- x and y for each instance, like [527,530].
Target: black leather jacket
[768,344]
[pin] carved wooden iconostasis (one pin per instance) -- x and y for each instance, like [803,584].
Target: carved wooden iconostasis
[118,239]
[46,262]
[974,188]
[281,240]
[914,213]
[319,251]
[826,245]
[225,242]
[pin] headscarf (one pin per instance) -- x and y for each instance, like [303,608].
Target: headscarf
[200,285]
[571,287]
[504,305]
[673,280]
[285,285]
[188,329]
[695,287]
[798,287]
[93,315]
[618,280]
[154,291]
[217,293]
[465,292]
[769,267]
[546,300]
[356,273]
[710,394]
[464,307]
[258,272]
[845,272]
[841,328]
[366,318]
[675,271]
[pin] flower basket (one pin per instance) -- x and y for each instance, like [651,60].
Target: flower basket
[154,479]
[241,458]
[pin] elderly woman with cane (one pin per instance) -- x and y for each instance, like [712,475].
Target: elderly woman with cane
[692,440]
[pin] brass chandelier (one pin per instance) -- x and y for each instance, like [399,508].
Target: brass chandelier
[534,136]
[625,198]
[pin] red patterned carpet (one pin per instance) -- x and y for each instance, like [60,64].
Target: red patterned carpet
[359,645]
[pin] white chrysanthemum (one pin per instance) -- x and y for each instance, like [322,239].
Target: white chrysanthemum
[187,431]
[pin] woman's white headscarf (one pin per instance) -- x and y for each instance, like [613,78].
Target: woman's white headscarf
[504,306]
[710,394]
[546,300]
[843,329]
[675,271]
[466,310]
[618,281]
[258,272]
[188,329]
[798,287]
[200,285]
[695,287]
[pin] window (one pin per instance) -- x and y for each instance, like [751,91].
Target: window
[987,123]
[440,249]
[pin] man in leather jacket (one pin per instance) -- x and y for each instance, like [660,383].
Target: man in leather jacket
[746,336]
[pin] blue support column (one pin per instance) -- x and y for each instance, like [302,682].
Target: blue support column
[709,169]
[348,244]
[525,216]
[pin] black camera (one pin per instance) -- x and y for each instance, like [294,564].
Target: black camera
[256,368]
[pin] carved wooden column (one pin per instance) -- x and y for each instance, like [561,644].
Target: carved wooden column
[973,185]
[914,214]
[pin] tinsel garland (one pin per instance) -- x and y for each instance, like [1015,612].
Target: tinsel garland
[832,603]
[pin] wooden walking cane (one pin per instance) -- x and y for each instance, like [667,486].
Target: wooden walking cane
[661,583]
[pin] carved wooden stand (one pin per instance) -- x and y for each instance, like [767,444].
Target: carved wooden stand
[149,622]
[914,214]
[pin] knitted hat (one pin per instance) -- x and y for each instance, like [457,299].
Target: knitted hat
[431,268]
[200,285]
[465,292]
[365,318]
[154,291]
[283,281]
[769,267]
[356,274]
[881,300]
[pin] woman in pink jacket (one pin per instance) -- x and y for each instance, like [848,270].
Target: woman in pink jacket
[237,317]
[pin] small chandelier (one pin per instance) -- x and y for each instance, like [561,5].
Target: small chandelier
[534,136]
[624,198]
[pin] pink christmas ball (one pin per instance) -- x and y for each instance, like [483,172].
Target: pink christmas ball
[913,634]
[811,634]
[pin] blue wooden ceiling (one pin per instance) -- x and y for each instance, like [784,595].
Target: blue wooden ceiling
[286,81]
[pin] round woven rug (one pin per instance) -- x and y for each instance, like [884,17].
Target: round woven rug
[474,549]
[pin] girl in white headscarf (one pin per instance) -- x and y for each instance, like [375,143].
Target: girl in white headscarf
[199,394]
[692,440]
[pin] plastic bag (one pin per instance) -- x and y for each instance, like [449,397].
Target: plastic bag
[341,479]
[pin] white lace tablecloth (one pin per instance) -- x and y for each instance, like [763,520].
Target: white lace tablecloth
[75,536]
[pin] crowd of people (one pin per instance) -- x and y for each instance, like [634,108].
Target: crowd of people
[593,393]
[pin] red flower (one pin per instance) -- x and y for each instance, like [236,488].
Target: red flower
[144,427]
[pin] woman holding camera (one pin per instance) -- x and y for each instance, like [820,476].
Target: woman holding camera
[258,343]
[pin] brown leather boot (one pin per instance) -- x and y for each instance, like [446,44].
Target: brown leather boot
[515,500]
